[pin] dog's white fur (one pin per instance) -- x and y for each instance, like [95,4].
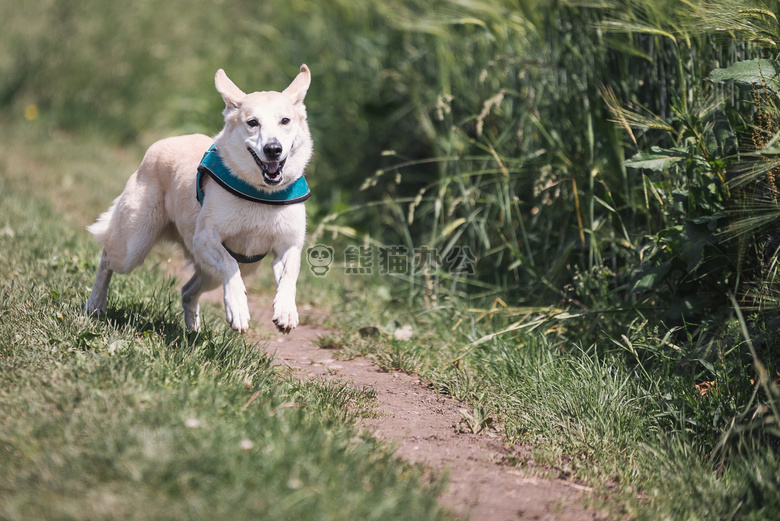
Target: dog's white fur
[159,202]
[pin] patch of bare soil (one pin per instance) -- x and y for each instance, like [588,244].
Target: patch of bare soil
[423,425]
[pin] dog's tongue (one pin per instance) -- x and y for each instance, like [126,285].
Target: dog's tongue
[272,167]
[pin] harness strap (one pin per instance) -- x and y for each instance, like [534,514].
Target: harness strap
[212,165]
[244,259]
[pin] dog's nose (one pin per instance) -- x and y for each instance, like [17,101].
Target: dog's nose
[272,149]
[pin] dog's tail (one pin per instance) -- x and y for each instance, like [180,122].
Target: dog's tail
[100,228]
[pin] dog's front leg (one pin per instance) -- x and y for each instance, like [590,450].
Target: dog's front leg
[286,268]
[212,256]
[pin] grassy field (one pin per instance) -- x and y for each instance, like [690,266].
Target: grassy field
[611,169]
[131,417]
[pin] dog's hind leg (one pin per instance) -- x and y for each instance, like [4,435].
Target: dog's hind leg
[128,231]
[98,298]
[190,294]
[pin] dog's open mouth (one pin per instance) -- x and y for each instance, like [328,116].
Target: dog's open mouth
[272,170]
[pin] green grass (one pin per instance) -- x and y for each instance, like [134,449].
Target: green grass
[641,433]
[605,291]
[129,416]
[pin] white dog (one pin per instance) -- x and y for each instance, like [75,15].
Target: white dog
[227,201]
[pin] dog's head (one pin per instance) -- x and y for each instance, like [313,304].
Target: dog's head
[266,137]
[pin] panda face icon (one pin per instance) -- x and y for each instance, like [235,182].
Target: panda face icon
[320,258]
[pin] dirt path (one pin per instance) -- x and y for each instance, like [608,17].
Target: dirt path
[423,426]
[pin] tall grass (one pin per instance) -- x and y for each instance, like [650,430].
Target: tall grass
[626,259]
[482,123]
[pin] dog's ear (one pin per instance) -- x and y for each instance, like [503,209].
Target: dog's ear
[296,91]
[230,93]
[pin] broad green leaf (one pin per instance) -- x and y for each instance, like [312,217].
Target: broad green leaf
[722,140]
[657,159]
[651,278]
[693,240]
[750,72]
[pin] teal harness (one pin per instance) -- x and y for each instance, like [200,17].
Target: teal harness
[212,165]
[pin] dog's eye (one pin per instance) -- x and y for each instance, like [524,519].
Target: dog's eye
[285,121]
[253,123]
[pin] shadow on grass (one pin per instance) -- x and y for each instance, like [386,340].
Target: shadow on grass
[167,328]
[151,312]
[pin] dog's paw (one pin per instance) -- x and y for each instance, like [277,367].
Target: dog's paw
[192,318]
[285,317]
[238,317]
[237,312]
[95,306]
